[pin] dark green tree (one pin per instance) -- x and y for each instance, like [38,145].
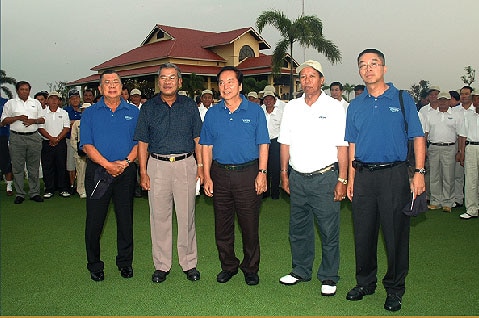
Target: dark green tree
[418,90]
[470,75]
[4,79]
[307,30]
[348,88]
[193,84]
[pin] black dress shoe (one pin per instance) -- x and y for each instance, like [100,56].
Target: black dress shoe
[19,200]
[358,292]
[251,279]
[37,198]
[225,276]
[159,276]
[97,276]
[393,302]
[192,274]
[126,272]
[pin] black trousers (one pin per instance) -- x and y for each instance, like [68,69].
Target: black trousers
[234,191]
[121,192]
[54,160]
[273,169]
[379,197]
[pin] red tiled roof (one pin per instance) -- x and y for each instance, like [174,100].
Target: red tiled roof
[260,65]
[186,43]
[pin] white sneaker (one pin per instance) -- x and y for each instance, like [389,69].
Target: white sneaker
[83,196]
[328,288]
[291,279]
[467,216]
[65,194]
[48,195]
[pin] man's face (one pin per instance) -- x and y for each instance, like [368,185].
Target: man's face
[135,99]
[465,96]
[169,82]
[88,97]
[229,86]
[23,92]
[42,100]
[53,102]
[358,92]
[475,100]
[74,100]
[432,95]
[442,104]
[269,101]
[207,100]
[110,86]
[311,81]
[371,68]
[125,94]
[336,92]
[253,99]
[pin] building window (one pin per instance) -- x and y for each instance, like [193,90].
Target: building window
[246,51]
[160,35]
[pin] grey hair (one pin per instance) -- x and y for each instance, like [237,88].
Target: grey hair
[170,65]
[109,72]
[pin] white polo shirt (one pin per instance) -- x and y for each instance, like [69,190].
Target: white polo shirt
[470,129]
[17,107]
[273,121]
[443,126]
[313,132]
[55,121]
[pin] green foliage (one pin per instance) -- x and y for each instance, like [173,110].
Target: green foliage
[4,79]
[306,30]
[250,84]
[418,90]
[147,88]
[470,75]
[193,84]
[62,88]
[348,88]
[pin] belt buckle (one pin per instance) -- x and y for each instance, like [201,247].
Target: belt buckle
[172,159]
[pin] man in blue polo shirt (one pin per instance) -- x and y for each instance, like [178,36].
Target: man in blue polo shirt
[235,143]
[378,183]
[106,136]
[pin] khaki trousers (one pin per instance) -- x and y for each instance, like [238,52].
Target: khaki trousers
[81,167]
[172,183]
[471,167]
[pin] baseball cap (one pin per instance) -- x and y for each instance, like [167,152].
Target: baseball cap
[433,88]
[252,94]
[268,93]
[206,91]
[73,92]
[475,91]
[135,91]
[55,93]
[444,95]
[314,64]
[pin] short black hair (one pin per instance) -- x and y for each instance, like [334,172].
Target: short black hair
[374,51]
[21,83]
[238,73]
[42,93]
[336,84]
[109,72]
[455,95]
[359,87]
[467,87]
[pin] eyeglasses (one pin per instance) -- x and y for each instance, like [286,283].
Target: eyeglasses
[373,65]
[165,78]
[111,83]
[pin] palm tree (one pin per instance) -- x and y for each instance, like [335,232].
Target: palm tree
[348,88]
[4,79]
[307,30]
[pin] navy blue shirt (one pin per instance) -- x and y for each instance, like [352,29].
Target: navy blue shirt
[235,136]
[110,132]
[73,115]
[4,130]
[376,126]
[169,130]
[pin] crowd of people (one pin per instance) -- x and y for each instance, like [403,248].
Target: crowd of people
[319,149]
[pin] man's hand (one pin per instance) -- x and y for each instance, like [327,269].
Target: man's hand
[208,187]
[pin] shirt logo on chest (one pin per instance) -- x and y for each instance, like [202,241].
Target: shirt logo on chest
[128,117]
[393,109]
[246,121]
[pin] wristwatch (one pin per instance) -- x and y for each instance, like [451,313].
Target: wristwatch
[343,181]
[262,170]
[127,160]
[421,171]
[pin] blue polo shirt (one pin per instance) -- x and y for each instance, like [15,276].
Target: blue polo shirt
[4,130]
[169,130]
[73,115]
[110,132]
[235,136]
[376,126]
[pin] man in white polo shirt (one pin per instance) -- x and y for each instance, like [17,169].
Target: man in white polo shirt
[312,142]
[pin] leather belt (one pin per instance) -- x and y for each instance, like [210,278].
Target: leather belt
[443,143]
[332,166]
[23,133]
[170,159]
[358,165]
[235,167]
[474,143]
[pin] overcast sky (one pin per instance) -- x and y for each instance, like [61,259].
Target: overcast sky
[46,41]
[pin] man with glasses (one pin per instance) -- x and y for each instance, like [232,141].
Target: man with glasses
[106,136]
[378,183]
[168,133]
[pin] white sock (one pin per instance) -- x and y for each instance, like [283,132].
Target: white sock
[9,185]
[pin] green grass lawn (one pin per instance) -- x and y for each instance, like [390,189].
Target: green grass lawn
[43,267]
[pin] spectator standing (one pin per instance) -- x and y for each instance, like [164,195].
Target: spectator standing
[88,96]
[135,97]
[336,90]
[106,136]
[42,98]
[358,90]
[168,132]
[74,112]
[206,103]
[54,147]
[24,114]
[312,143]
[80,155]
[378,183]
[273,119]
[5,161]
[235,140]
